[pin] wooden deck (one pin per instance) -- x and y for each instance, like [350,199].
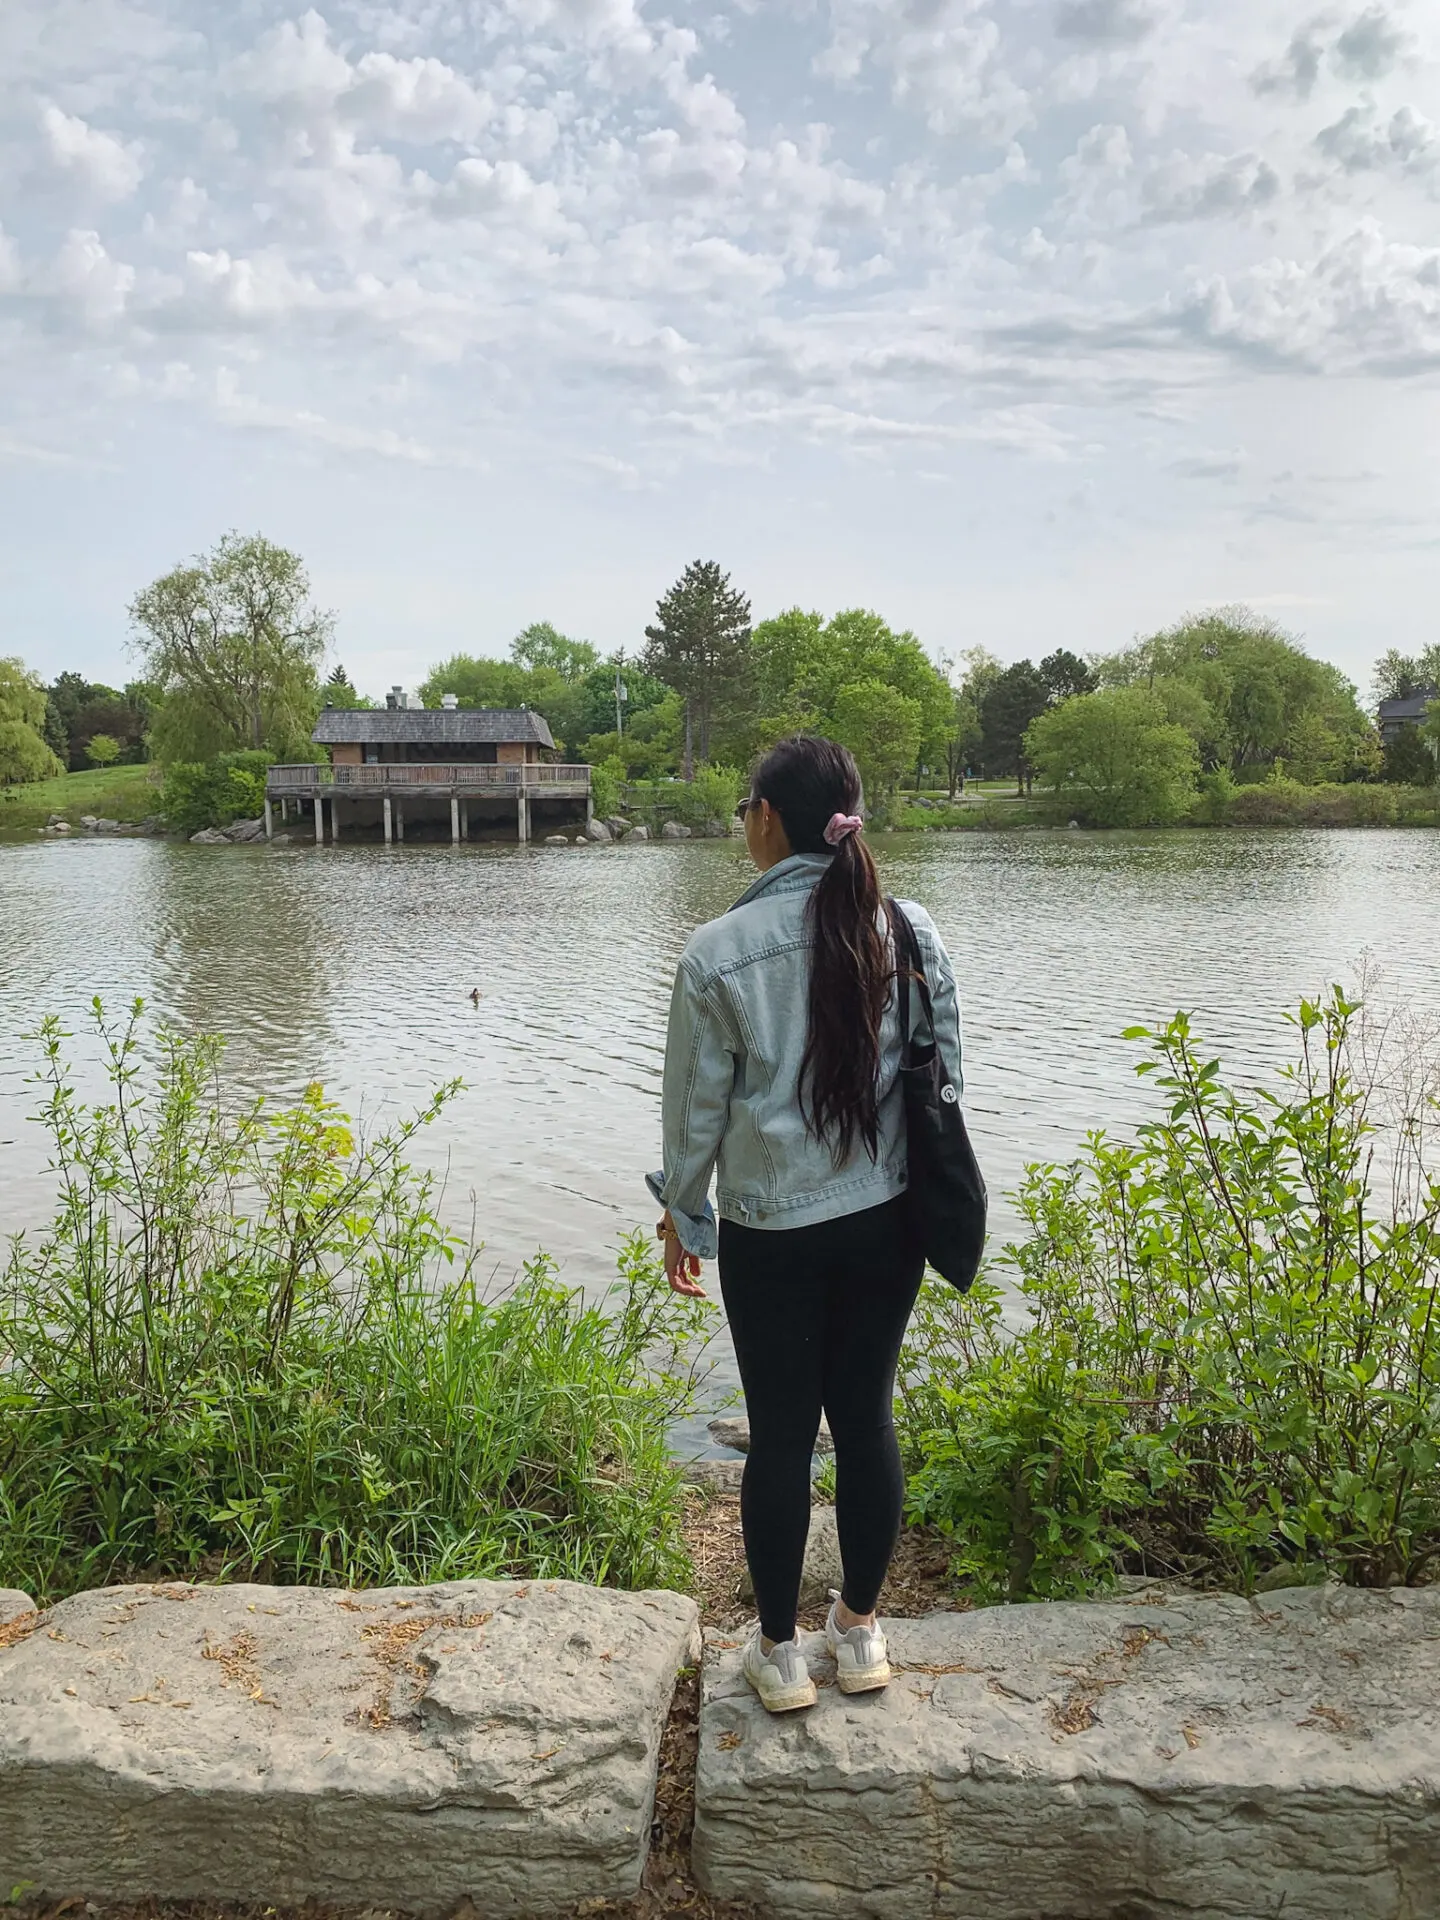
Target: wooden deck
[413,779]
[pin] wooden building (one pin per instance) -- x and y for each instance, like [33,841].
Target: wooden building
[399,762]
[1395,715]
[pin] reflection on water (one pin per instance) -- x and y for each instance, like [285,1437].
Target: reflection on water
[355,965]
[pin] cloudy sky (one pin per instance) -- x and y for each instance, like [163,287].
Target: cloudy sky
[1026,322]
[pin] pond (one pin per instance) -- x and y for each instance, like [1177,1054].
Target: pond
[355,966]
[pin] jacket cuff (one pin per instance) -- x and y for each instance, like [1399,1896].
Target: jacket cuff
[698,1232]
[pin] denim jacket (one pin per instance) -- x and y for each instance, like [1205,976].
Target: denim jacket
[731,1100]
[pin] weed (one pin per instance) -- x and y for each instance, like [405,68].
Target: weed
[248,1347]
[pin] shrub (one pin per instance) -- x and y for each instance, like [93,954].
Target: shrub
[247,1346]
[1213,800]
[987,815]
[1285,803]
[607,786]
[1232,1364]
[212,793]
[712,795]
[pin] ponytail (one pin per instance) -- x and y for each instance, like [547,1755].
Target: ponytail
[808,782]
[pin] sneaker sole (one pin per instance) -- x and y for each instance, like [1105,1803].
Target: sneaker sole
[790,1701]
[869,1681]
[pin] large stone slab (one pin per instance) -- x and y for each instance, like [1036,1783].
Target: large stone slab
[1188,1757]
[404,1747]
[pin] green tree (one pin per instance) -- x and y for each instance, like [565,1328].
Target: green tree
[1314,750]
[24,755]
[1400,676]
[1017,697]
[1065,674]
[803,663]
[476,681]
[54,732]
[340,692]
[699,644]
[102,749]
[1410,759]
[882,727]
[544,646]
[595,696]
[77,708]
[1116,758]
[235,645]
[1255,681]
[650,747]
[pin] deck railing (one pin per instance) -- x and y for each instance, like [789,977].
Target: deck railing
[426,773]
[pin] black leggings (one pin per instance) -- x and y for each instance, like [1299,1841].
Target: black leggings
[817,1315]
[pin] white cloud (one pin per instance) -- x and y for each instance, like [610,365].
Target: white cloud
[1360,140]
[238,408]
[99,163]
[83,285]
[1298,68]
[1205,186]
[1366,303]
[629,239]
[944,58]
[1370,46]
[1104,22]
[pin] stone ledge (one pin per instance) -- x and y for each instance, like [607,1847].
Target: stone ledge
[404,1747]
[1190,1756]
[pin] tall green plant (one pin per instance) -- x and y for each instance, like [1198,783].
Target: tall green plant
[1231,1366]
[247,1345]
[212,793]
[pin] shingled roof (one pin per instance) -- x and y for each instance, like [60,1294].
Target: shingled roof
[1413,706]
[429,726]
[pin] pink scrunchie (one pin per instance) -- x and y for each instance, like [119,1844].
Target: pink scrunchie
[840,827]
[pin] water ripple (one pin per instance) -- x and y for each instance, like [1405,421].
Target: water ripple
[355,967]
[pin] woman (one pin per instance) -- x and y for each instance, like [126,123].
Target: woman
[781,1076]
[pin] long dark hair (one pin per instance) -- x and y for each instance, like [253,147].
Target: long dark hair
[808,781]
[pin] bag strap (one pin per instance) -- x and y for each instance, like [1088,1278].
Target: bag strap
[913,967]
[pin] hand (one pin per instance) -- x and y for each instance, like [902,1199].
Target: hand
[682,1269]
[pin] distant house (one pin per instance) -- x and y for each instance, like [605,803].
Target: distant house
[1394,716]
[436,768]
[483,736]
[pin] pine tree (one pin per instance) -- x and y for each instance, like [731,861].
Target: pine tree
[700,646]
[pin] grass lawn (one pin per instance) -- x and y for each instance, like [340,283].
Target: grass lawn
[110,793]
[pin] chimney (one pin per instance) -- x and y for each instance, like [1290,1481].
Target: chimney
[449,701]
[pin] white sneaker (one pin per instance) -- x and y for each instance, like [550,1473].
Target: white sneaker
[780,1677]
[861,1657]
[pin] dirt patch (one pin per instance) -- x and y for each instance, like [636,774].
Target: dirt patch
[918,1583]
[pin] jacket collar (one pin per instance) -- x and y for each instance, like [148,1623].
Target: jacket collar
[796,873]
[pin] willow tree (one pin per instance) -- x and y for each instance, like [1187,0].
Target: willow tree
[235,646]
[24,754]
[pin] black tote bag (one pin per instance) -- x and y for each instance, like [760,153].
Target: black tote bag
[947,1190]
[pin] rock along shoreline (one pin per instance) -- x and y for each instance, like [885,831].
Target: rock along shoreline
[1149,1758]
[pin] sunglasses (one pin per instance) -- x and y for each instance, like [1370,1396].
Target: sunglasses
[743,807]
